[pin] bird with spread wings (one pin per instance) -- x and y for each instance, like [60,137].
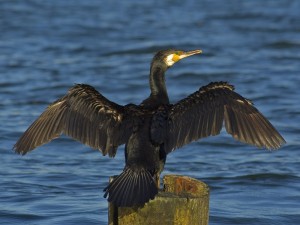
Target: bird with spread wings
[151,130]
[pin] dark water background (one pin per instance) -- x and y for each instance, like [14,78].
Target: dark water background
[47,46]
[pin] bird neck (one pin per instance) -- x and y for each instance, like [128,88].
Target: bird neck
[158,84]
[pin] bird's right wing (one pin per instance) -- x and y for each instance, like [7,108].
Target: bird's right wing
[84,114]
[203,113]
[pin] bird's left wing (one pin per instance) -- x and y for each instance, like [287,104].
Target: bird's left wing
[203,113]
[84,114]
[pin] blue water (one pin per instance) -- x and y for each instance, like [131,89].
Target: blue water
[47,46]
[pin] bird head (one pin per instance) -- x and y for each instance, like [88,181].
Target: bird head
[171,56]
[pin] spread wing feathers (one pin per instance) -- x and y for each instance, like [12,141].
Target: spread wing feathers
[202,114]
[83,114]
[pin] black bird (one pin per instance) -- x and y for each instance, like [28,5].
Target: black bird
[150,130]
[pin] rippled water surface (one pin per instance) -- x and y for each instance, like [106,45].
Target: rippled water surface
[47,46]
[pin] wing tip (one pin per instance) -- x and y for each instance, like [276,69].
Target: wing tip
[20,150]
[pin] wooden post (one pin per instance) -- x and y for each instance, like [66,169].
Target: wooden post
[183,200]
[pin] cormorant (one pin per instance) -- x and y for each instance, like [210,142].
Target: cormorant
[150,130]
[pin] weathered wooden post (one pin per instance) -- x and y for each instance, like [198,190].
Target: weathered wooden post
[183,200]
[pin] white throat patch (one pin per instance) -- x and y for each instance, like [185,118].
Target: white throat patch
[169,60]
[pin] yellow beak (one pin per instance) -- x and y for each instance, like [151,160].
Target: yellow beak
[189,53]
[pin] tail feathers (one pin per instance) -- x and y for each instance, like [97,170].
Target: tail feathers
[131,188]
